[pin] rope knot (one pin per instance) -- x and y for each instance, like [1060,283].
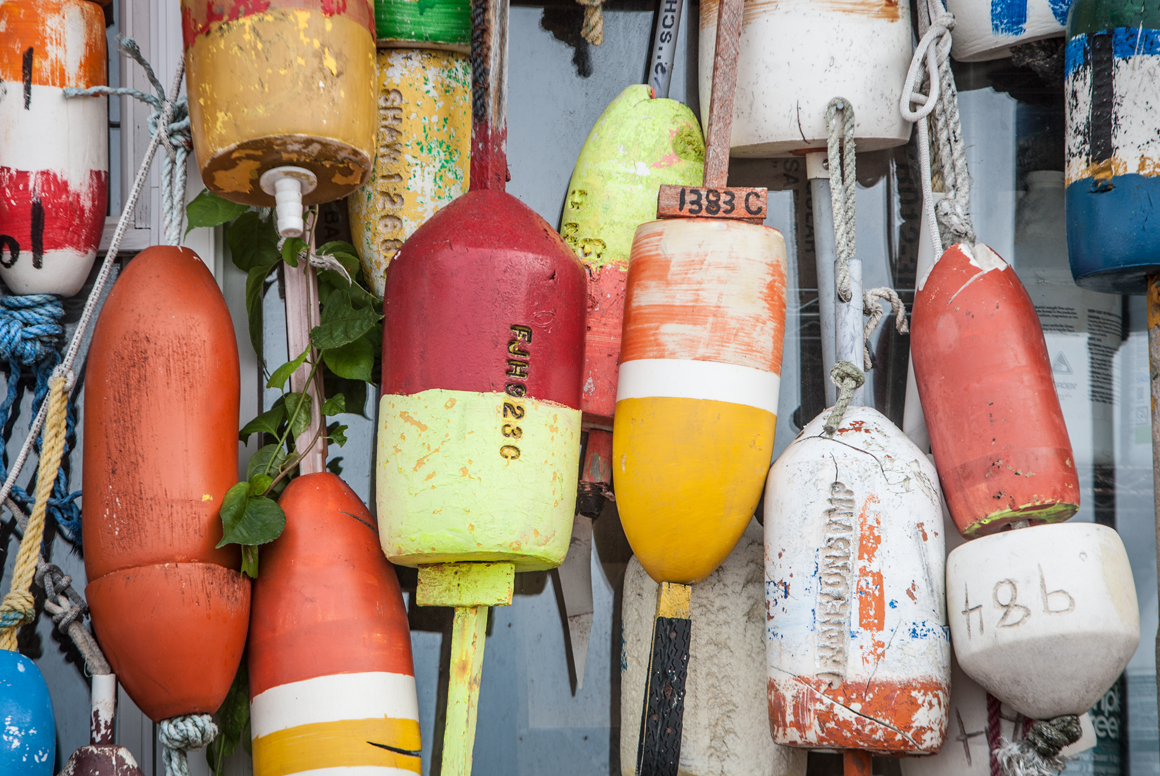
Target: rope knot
[593,28]
[848,378]
[180,735]
[18,608]
[1038,753]
[30,329]
[955,221]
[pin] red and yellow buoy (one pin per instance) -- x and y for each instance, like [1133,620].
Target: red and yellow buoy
[332,684]
[161,419]
[54,151]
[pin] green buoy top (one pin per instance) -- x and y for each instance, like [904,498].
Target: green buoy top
[420,23]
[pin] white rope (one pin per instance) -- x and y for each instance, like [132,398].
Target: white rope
[872,307]
[66,366]
[181,734]
[843,181]
[949,221]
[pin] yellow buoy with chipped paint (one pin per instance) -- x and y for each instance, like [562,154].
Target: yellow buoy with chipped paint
[423,152]
[281,99]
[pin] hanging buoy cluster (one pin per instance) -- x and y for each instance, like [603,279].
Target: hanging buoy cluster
[423,141]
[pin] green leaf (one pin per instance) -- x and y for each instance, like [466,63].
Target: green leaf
[233,721]
[337,433]
[255,287]
[335,405]
[334,466]
[341,323]
[291,248]
[208,209]
[250,561]
[299,415]
[252,242]
[267,460]
[335,247]
[258,521]
[354,391]
[282,373]
[260,483]
[266,423]
[353,361]
[330,281]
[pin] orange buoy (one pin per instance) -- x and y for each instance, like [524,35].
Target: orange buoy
[332,683]
[985,381]
[161,419]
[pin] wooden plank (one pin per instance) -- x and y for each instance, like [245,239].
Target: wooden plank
[468,638]
[466,584]
[734,202]
[302,315]
[717,139]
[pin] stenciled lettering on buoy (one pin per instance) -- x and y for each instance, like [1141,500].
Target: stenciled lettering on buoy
[519,360]
[389,195]
[834,589]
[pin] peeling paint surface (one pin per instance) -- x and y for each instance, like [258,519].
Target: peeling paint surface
[449,492]
[857,645]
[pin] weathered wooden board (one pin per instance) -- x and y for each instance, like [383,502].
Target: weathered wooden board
[859,656]
[741,204]
[1045,618]
[313,75]
[423,150]
[996,426]
[54,152]
[1112,149]
[783,87]
[637,145]
[697,398]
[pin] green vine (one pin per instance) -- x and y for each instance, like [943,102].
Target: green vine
[343,349]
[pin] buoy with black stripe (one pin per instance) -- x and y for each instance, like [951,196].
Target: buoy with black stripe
[281,100]
[332,684]
[54,151]
[1112,162]
[860,50]
[423,143]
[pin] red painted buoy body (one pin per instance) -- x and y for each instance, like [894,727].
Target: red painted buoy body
[54,151]
[479,432]
[985,381]
[332,683]
[161,419]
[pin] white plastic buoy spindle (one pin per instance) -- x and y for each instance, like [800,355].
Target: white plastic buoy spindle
[288,185]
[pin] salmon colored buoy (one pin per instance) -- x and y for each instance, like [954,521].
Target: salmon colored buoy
[281,94]
[332,684]
[54,151]
[161,419]
[984,377]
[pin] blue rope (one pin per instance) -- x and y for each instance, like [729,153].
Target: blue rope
[30,333]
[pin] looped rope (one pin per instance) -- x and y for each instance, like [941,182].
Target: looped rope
[171,121]
[848,378]
[872,307]
[843,182]
[180,735]
[593,28]
[18,607]
[1038,753]
[930,67]
[30,328]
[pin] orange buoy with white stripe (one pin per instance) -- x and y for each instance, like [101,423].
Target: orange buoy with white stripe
[161,418]
[54,152]
[332,684]
[697,395]
[988,393]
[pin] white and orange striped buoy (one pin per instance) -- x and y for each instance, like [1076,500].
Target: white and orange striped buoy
[332,683]
[696,402]
[54,151]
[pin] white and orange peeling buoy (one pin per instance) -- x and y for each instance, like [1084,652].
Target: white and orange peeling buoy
[858,649]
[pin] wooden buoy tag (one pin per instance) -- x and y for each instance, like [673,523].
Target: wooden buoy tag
[313,75]
[1111,144]
[741,204]
[423,151]
[725,731]
[28,743]
[637,145]
[54,152]
[697,399]
[1044,618]
[859,656]
[988,393]
[332,683]
[796,55]
[987,30]
[161,419]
